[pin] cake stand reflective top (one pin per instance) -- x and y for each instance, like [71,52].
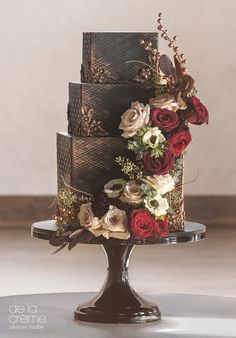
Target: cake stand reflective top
[193,232]
[117,302]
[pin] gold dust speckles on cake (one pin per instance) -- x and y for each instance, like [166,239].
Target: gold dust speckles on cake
[100,75]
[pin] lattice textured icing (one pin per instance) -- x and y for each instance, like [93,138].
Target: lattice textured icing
[105,56]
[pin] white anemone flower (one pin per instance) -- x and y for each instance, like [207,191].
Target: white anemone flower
[157,205]
[153,137]
[114,187]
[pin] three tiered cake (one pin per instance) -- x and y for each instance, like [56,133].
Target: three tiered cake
[120,166]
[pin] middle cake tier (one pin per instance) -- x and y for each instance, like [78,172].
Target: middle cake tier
[96,109]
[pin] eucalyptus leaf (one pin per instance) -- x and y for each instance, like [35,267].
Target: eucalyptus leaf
[59,249]
[57,240]
[84,237]
[73,243]
[166,65]
[76,233]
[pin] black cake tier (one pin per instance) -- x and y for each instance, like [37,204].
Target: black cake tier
[96,109]
[87,163]
[106,56]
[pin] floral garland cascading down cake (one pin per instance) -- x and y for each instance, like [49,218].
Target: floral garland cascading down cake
[120,166]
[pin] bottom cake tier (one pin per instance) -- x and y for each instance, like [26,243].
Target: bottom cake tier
[88,163]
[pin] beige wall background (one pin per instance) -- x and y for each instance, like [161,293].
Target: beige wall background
[40,45]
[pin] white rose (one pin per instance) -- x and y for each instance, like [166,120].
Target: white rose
[156,205]
[162,183]
[132,193]
[115,220]
[152,137]
[165,101]
[134,118]
[86,216]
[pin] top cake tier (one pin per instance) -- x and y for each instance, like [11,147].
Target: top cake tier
[106,56]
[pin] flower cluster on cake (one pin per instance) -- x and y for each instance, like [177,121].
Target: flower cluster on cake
[144,198]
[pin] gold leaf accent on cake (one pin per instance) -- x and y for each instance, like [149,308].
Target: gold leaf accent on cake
[88,126]
[176,223]
[100,75]
[176,201]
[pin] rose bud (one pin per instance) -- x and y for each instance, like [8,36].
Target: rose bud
[178,142]
[196,112]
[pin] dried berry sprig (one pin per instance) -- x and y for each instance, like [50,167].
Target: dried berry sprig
[66,209]
[153,54]
[172,43]
[69,200]
[150,72]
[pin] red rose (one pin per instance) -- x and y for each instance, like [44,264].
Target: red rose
[162,227]
[178,142]
[158,166]
[165,119]
[143,225]
[196,112]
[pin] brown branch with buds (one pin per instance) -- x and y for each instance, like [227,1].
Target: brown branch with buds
[150,70]
[154,54]
[172,43]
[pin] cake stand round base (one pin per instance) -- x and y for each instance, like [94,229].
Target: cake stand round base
[144,312]
[117,302]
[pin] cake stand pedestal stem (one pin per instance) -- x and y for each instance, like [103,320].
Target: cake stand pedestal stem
[117,302]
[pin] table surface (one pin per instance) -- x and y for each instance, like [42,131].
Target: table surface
[192,232]
[183,315]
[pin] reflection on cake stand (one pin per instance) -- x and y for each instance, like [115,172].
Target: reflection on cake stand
[117,302]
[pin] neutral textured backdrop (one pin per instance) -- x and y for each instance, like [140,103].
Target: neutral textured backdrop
[41,52]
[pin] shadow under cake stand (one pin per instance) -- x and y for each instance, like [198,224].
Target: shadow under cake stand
[117,302]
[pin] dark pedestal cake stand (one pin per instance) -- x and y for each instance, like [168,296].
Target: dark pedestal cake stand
[117,302]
